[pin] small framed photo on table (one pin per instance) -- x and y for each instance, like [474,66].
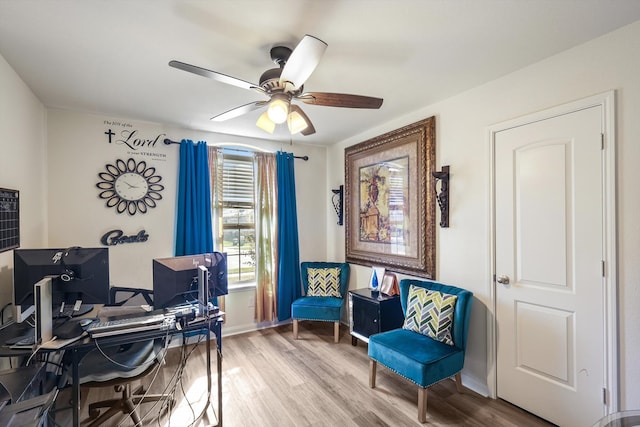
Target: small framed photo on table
[389,285]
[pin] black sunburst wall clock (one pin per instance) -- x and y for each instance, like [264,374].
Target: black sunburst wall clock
[130,186]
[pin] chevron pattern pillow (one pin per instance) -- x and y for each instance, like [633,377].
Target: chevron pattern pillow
[324,282]
[430,313]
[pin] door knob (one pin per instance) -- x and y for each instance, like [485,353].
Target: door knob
[503,279]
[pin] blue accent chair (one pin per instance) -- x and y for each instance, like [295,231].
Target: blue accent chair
[418,357]
[326,309]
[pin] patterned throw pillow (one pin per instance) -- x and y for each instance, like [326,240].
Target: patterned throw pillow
[430,313]
[324,282]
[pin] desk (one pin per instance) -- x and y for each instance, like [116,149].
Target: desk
[82,347]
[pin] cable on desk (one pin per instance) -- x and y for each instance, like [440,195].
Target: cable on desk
[155,375]
[51,418]
[118,363]
[198,417]
[184,358]
[38,347]
[170,385]
[2,312]
[31,322]
[177,377]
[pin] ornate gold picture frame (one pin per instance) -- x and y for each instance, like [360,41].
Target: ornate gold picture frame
[389,208]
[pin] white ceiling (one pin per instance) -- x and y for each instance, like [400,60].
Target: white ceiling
[110,56]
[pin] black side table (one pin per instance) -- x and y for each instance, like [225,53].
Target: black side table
[372,312]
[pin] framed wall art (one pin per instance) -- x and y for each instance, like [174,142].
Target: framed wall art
[389,205]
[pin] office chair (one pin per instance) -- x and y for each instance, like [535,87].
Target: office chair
[132,362]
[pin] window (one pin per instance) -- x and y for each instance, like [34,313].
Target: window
[238,226]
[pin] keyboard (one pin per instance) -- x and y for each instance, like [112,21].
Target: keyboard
[131,324]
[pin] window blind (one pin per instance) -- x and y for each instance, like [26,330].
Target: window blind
[237,187]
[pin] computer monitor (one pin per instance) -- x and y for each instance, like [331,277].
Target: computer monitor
[175,279]
[80,274]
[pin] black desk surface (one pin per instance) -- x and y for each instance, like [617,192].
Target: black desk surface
[18,329]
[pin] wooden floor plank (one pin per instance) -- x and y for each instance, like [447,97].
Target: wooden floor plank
[271,380]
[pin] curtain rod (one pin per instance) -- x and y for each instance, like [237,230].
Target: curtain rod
[167,141]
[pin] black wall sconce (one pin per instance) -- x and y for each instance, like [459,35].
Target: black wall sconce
[443,196]
[337,199]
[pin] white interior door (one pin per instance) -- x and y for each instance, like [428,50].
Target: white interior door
[549,266]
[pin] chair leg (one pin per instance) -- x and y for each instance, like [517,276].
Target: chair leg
[295,329]
[126,405]
[129,408]
[459,385]
[336,332]
[422,405]
[108,414]
[372,373]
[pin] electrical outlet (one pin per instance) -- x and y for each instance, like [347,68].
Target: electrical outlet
[252,301]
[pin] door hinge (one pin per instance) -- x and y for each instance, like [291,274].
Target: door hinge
[604,395]
[602,141]
[603,269]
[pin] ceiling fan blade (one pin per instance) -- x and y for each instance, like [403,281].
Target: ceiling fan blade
[238,111]
[309,130]
[340,100]
[303,60]
[212,75]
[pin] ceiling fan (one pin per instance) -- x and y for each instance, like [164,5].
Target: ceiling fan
[283,85]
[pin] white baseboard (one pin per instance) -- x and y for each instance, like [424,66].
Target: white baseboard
[250,327]
[472,384]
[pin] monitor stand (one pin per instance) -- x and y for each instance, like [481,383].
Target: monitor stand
[42,299]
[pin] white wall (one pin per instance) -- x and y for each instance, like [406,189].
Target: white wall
[79,149]
[609,62]
[22,165]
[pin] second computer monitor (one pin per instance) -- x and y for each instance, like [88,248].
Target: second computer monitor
[175,279]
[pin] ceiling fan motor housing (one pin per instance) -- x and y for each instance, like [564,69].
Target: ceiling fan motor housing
[270,79]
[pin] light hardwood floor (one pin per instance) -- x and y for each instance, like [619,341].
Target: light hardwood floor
[271,380]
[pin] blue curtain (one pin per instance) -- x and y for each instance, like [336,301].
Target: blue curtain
[289,286]
[194,234]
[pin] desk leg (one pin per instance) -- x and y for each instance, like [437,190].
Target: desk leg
[218,335]
[75,388]
[219,357]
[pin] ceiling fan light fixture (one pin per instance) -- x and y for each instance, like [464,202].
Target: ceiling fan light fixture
[278,108]
[296,122]
[265,123]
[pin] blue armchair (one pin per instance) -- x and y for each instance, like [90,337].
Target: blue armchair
[418,357]
[323,308]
